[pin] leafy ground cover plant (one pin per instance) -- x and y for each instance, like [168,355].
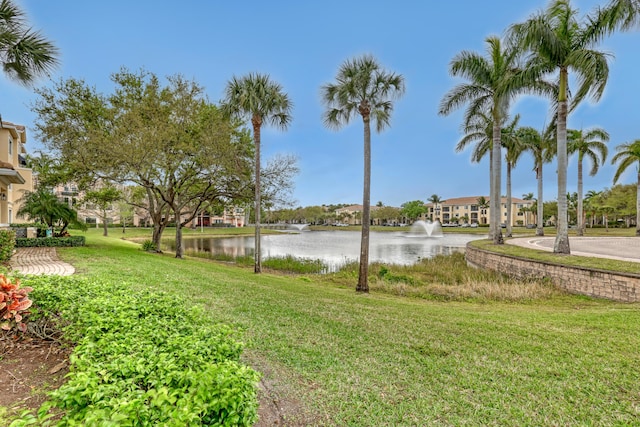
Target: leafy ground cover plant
[142,358]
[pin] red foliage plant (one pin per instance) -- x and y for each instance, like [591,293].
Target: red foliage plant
[14,303]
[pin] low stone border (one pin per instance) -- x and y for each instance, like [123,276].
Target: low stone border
[617,286]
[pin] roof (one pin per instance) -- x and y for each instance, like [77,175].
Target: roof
[10,176]
[16,130]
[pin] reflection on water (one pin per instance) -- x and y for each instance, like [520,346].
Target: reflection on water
[336,248]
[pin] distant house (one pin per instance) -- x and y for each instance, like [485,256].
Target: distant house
[467,209]
[351,215]
[15,176]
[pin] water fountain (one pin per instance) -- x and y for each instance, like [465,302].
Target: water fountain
[298,227]
[426,228]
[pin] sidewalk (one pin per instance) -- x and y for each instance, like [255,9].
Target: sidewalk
[39,261]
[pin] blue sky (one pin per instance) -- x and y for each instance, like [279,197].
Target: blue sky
[301,44]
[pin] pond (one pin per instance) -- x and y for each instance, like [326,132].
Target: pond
[336,248]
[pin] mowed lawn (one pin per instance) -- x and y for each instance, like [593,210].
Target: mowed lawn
[382,360]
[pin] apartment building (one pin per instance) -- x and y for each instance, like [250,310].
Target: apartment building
[471,210]
[15,176]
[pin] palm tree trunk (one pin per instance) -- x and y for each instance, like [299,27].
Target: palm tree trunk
[509,230]
[257,123]
[540,207]
[561,244]
[638,205]
[491,229]
[363,275]
[496,184]
[580,213]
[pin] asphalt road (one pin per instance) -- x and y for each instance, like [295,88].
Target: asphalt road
[622,248]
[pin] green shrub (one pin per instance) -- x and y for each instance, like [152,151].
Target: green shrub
[50,242]
[7,243]
[143,358]
[148,246]
[293,264]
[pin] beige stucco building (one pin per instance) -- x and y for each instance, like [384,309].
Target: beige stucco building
[15,176]
[469,209]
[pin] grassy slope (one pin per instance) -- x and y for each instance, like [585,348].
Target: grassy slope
[383,360]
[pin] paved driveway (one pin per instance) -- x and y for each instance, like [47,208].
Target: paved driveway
[622,248]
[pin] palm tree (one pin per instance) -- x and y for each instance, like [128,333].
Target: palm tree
[258,98]
[436,200]
[25,54]
[626,155]
[541,147]
[591,144]
[493,81]
[560,43]
[591,204]
[514,149]
[527,196]
[362,88]
[482,204]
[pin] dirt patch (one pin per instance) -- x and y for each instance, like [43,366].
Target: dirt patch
[278,396]
[29,368]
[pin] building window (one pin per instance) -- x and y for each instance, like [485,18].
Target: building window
[474,208]
[10,149]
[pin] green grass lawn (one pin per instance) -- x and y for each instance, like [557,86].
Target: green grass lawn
[384,360]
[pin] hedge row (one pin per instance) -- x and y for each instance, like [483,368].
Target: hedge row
[7,243]
[141,359]
[31,242]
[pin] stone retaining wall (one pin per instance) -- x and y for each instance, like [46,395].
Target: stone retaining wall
[624,287]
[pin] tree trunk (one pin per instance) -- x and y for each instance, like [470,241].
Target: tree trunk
[363,274]
[509,227]
[105,225]
[179,247]
[157,235]
[497,183]
[257,123]
[580,213]
[561,244]
[540,207]
[483,215]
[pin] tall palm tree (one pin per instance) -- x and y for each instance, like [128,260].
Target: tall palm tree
[436,200]
[256,97]
[493,81]
[25,54]
[626,155]
[541,146]
[590,144]
[478,128]
[559,43]
[362,88]
[514,147]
